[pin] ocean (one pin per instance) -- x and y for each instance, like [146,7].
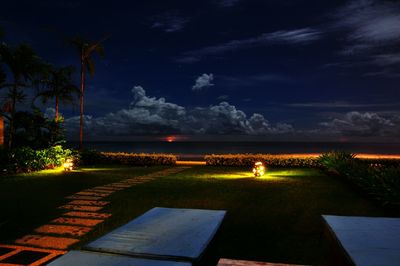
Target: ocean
[196,150]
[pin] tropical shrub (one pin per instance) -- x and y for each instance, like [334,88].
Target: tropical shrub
[275,160]
[379,178]
[26,159]
[336,160]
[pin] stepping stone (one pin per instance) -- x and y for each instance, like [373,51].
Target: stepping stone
[77,231]
[80,197]
[88,214]
[135,182]
[89,202]
[104,191]
[95,194]
[103,188]
[81,208]
[77,221]
[47,241]
[120,185]
[18,255]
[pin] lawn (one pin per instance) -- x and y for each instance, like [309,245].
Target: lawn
[275,218]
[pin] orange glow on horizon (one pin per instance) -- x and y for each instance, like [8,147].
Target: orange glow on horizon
[170,138]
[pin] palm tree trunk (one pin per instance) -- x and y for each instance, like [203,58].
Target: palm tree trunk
[12,117]
[56,118]
[81,101]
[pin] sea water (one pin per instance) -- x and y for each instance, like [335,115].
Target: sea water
[196,150]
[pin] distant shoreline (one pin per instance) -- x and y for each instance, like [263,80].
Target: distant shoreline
[197,150]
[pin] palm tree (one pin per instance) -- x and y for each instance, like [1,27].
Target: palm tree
[85,50]
[59,86]
[24,65]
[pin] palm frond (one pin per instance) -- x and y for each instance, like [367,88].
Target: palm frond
[90,66]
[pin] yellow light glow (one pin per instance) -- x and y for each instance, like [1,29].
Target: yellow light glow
[258,169]
[68,165]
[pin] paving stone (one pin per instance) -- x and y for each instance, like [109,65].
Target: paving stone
[47,241]
[81,197]
[89,202]
[77,221]
[81,208]
[118,185]
[95,194]
[18,250]
[88,214]
[77,231]
[104,191]
[108,189]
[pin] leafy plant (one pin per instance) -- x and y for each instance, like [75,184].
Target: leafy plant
[338,160]
[26,159]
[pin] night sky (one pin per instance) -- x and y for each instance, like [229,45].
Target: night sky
[225,69]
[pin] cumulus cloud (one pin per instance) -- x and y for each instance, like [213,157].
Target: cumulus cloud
[367,124]
[203,81]
[301,36]
[150,115]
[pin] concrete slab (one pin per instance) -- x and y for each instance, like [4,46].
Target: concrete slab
[229,262]
[163,233]
[86,258]
[367,240]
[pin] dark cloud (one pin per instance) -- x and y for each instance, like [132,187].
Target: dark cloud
[253,80]
[169,22]
[370,23]
[372,30]
[150,115]
[340,104]
[367,124]
[295,37]
[228,3]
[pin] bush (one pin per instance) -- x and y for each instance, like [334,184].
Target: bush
[93,157]
[380,178]
[90,157]
[279,160]
[26,159]
[336,160]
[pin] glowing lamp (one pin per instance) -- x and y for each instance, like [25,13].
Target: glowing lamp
[258,169]
[68,165]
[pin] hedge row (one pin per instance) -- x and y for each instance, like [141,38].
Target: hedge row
[138,159]
[281,160]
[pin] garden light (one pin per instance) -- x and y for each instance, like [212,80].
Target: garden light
[258,169]
[68,165]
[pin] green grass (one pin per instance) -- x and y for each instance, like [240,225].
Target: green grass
[30,200]
[275,218]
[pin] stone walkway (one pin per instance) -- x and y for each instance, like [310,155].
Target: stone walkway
[82,214]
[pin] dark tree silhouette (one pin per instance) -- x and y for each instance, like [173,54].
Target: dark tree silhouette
[58,86]
[24,66]
[85,50]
